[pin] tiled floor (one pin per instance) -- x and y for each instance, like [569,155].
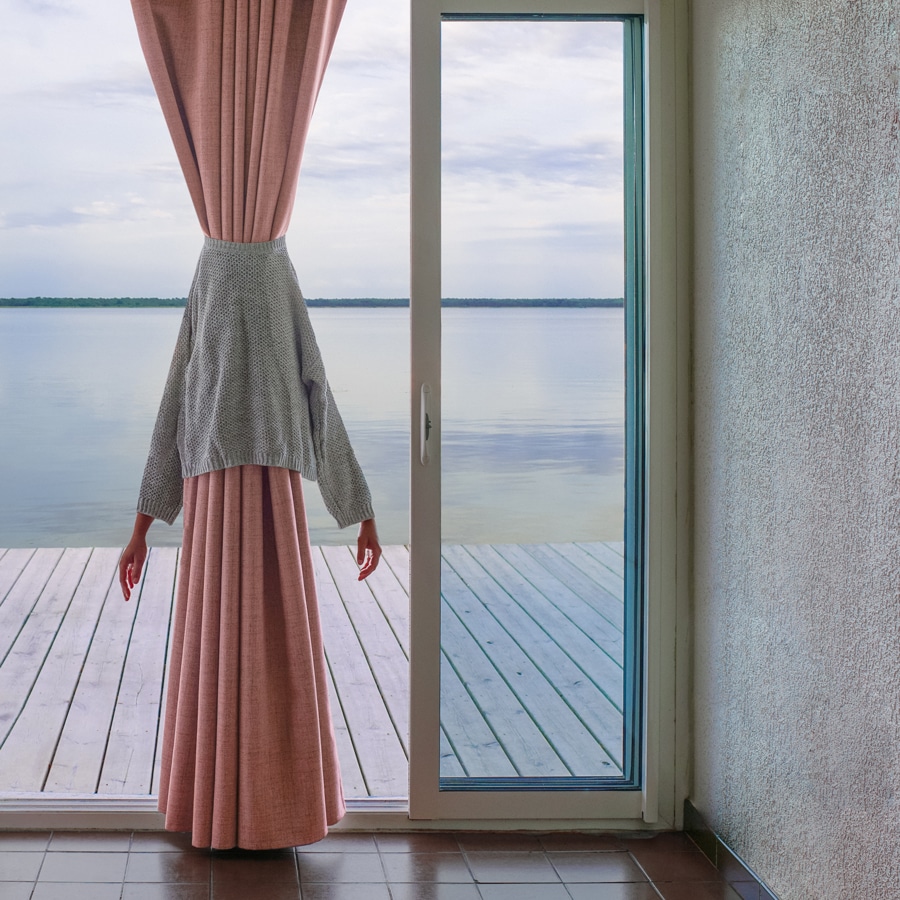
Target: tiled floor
[445,866]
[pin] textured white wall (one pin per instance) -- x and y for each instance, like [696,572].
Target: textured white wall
[797,440]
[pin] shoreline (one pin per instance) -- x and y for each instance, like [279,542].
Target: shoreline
[319,302]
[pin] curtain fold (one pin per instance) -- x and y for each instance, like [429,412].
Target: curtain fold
[238,81]
[248,755]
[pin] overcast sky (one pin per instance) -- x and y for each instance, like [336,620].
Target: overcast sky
[92,201]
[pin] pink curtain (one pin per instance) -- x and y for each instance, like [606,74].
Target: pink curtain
[249,757]
[237,81]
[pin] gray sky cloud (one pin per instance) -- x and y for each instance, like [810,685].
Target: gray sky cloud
[90,182]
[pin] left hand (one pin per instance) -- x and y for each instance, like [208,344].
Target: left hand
[368,550]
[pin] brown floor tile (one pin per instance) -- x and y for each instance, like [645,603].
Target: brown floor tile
[91,841]
[697,890]
[247,870]
[433,892]
[689,866]
[426,867]
[340,868]
[632,891]
[170,866]
[82,890]
[338,842]
[283,853]
[16,890]
[229,890]
[359,891]
[437,842]
[598,843]
[511,867]
[154,841]
[166,892]
[522,891]
[84,866]
[595,868]
[24,840]
[19,865]
[667,842]
[487,840]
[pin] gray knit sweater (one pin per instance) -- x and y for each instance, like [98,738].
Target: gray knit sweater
[247,386]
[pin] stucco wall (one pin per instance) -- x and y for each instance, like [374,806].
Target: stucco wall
[797,440]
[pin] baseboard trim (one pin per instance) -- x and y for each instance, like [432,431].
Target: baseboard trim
[731,867]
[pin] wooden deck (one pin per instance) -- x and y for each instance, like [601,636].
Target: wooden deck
[531,666]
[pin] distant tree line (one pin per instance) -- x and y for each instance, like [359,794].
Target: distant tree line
[153,302]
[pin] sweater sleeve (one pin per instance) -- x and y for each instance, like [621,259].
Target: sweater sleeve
[162,487]
[340,478]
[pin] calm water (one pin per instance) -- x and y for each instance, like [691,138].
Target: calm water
[532,425]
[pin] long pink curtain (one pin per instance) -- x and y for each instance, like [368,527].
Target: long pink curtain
[237,81]
[249,757]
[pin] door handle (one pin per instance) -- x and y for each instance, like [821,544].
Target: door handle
[425,424]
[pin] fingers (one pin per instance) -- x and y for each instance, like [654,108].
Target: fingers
[130,566]
[124,577]
[368,559]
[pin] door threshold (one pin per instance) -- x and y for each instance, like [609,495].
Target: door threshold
[42,811]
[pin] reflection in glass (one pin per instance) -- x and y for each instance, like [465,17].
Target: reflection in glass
[533,401]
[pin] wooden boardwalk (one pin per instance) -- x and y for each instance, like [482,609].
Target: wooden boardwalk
[532,655]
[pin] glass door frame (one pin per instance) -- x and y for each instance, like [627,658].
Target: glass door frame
[664,698]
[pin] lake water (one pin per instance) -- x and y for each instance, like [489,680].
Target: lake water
[532,432]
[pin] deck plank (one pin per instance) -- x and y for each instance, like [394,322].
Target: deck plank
[11,566]
[590,681]
[22,666]
[390,587]
[594,569]
[128,764]
[352,780]
[449,765]
[27,752]
[22,597]
[524,578]
[157,760]
[605,555]
[607,603]
[536,617]
[469,737]
[523,741]
[378,746]
[384,654]
[82,745]
[547,684]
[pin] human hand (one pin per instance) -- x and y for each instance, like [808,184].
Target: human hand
[368,550]
[134,556]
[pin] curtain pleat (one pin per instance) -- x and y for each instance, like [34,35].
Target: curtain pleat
[239,145]
[249,757]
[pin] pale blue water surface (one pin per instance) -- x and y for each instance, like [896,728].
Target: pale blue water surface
[533,421]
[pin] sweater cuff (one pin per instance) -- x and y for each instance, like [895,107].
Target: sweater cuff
[156,511]
[352,517]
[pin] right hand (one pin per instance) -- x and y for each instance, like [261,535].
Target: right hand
[134,556]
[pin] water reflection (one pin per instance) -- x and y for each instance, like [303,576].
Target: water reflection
[79,391]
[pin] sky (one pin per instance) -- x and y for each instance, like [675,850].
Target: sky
[93,204]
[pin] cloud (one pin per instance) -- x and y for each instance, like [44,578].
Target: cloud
[47,7]
[51,218]
[592,163]
[93,212]
[124,87]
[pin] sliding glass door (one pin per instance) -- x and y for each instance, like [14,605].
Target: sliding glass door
[528,379]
